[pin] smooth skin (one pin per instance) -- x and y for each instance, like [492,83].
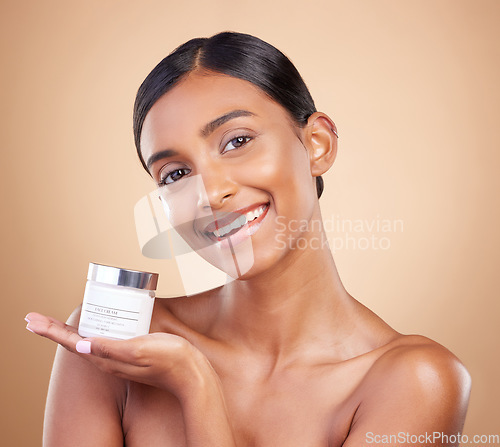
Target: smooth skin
[281,357]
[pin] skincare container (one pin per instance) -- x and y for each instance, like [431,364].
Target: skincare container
[118,303]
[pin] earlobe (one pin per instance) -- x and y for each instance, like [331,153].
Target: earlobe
[321,142]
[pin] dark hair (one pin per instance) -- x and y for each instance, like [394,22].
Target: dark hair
[239,55]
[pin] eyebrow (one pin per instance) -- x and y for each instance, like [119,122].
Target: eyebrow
[217,122]
[159,155]
[205,132]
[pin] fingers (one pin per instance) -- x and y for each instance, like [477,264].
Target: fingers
[103,350]
[34,316]
[122,358]
[157,359]
[129,351]
[55,330]
[134,351]
[112,356]
[138,351]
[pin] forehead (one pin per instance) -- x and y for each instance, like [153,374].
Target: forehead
[197,100]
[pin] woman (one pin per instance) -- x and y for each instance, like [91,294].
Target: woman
[283,355]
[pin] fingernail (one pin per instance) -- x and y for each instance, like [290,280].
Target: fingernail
[32,327]
[83,347]
[26,319]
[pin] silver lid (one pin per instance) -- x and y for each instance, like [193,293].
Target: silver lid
[122,277]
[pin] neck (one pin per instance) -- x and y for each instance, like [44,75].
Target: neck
[293,308]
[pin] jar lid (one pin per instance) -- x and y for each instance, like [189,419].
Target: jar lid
[122,277]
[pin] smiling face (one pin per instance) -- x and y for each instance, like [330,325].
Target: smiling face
[233,165]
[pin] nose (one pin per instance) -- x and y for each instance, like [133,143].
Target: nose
[218,186]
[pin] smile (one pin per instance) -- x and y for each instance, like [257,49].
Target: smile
[247,219]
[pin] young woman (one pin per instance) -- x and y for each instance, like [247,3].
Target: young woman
[283,355]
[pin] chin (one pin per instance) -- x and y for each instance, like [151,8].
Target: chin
[264,264]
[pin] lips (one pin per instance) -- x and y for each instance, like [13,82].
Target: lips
[231,221]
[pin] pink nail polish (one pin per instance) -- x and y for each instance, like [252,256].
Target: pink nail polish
[26,319]
[31,330]
[83,347]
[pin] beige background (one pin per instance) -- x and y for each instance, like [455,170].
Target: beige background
[412,85]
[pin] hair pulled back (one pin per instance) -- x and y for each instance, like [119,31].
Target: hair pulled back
[234,54]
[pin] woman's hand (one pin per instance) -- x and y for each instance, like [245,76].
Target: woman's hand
[162,360]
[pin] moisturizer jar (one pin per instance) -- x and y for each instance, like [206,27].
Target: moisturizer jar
[118,303]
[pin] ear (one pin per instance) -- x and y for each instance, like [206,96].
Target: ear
[320,140]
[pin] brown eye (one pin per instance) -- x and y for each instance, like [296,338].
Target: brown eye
[236,143]
[174,176]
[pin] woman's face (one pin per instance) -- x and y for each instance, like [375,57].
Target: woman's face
[233,165]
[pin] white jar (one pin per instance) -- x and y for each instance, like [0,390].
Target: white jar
[118,303]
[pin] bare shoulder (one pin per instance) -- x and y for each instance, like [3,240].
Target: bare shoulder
[415,387]
[191,313]
[410,361]
[415,379]
[74,318]
[421,361]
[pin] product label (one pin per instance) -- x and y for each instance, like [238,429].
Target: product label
[105,314]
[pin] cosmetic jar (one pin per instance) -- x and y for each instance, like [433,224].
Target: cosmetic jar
[118,303]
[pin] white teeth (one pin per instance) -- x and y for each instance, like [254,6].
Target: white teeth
[239,222]
[242,220]
[251,215]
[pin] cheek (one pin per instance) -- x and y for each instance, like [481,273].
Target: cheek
[290,176]
[278,164]
[181,205]
[183,200]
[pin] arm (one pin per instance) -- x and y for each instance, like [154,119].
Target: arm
[205,415]
[419,391]
[83,403]
[162,360]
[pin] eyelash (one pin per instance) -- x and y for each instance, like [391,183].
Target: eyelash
[246,139]
[163,181]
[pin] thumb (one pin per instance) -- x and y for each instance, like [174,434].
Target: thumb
[107,348]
